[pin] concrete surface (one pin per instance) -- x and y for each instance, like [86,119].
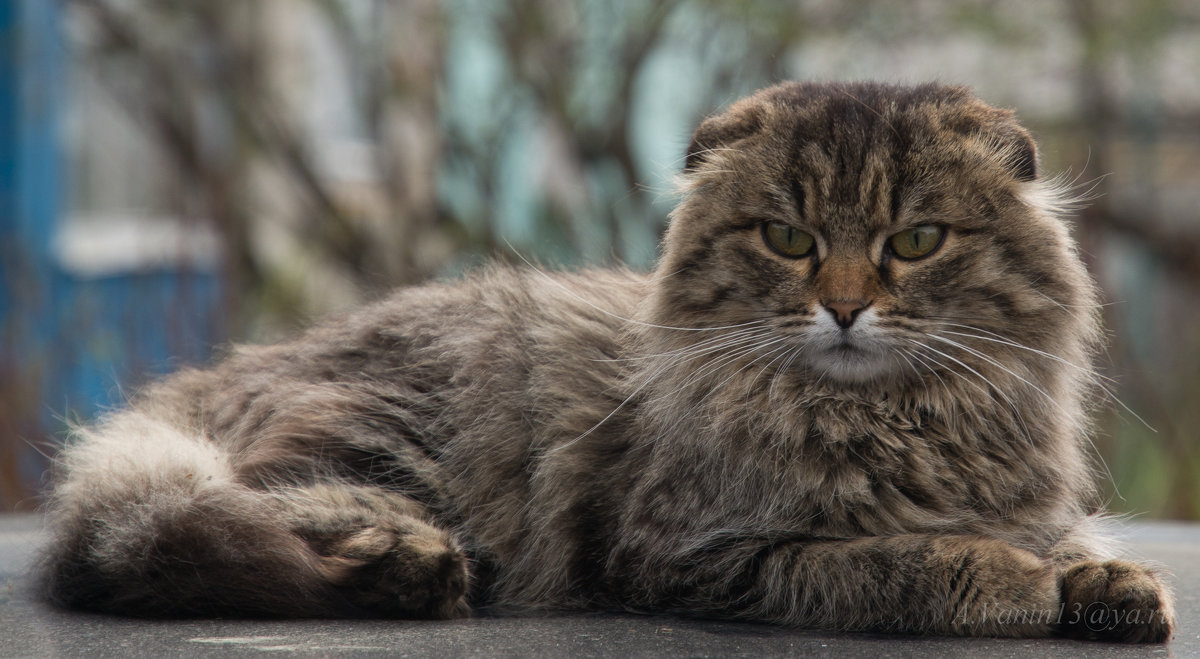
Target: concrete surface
[30,628]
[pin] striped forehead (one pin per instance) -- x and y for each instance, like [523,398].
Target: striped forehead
[845,175]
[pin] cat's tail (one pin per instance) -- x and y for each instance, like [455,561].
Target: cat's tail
[149,520]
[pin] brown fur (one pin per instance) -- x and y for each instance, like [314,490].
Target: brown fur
[702,439]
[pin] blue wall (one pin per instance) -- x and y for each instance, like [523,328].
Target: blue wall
[68,344]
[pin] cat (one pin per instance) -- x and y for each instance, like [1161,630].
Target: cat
[853,395]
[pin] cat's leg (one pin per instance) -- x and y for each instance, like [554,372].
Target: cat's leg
[960,585]
[149,520]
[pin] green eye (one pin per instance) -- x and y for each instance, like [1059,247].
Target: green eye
[917,242]
[787,239]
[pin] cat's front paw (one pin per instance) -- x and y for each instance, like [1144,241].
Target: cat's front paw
[402,572]
[1116,601]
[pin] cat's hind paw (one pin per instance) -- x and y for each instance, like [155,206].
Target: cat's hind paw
[400,572]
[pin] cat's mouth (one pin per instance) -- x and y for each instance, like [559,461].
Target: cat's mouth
[857,354]
[852,360]
[852,352]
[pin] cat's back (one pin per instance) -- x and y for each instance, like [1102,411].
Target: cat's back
[504,338]
[499,319]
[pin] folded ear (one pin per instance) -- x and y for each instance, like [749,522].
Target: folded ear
[740,121]
[1000,130]
[1021,156]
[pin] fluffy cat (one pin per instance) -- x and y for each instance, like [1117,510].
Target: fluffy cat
[853,395]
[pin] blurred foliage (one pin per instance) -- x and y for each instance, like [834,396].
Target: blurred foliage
[479,129]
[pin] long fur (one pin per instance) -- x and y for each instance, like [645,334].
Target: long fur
[702,439]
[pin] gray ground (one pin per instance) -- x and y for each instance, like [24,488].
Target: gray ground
[30,628]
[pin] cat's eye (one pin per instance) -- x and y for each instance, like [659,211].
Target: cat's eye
[917,242]
[787,239]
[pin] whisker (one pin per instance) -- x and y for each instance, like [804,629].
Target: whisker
[1011,404]
[902,353]
[718,364]
[674,361]
[1098,379]
[1009,342]
[785,352]
[1096,451]
[787,365]
[1000,366]
[915,354]
[686,355]
[720,384]
[717,340]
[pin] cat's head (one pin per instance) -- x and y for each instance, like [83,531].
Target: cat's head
[874,233]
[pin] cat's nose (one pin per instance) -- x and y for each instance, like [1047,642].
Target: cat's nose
[845,311]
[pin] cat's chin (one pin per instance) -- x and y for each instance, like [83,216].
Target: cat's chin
[855,366]
[859,356]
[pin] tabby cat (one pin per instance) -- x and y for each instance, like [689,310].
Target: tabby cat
[853,395]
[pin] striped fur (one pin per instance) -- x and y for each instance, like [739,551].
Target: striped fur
[704,439]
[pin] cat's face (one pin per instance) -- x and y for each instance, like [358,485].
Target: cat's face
[878,233]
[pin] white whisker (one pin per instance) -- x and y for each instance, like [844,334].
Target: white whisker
[720,384]
[1103,463]
[1096,378]
[718,364]
[1011,404]
[673,360]
[1000,366]
[709,344]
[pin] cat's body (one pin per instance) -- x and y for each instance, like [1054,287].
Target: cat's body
[853,395]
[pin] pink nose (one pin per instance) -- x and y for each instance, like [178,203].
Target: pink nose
[845,311]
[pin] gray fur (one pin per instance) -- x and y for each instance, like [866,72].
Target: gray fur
[690,440]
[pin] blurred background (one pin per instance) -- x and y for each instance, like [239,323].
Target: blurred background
[179,174]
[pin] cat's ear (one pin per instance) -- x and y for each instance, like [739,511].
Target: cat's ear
[1019,151]
[721,131]
[1008,139]
[999,132]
